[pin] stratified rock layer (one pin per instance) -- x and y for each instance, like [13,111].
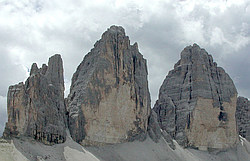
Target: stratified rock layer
[36,108]
[243,117]
[109,100]
[197,102]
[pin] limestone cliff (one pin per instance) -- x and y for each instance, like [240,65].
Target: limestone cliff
[243,117]
[197,102]
[36,108]
[109,100]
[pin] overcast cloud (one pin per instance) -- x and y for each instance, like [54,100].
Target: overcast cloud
[33,30]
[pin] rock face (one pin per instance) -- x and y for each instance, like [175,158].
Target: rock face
[243,117]
[109,100]
[156,133]
[197,102]
[36,108]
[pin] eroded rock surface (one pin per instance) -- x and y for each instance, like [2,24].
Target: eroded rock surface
[197,102]
[243,117]
[36,108]
[109,100]
[156,133]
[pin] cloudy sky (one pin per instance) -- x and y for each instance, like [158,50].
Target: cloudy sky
[33,30]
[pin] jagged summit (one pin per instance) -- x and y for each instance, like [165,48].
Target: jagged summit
[115,34]
[196,64]
[34,69]
[55,72]
[36,108]
[197,102]
[115,30]
[109,100]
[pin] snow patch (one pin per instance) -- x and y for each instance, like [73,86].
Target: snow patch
[242,140]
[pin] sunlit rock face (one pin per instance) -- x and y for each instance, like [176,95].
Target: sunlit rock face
[243,117]
[109,100]
[197,102]
[36,108]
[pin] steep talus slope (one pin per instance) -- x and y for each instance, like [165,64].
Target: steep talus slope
[243,117]
[36,108]
[197,102]
[28,149]
[109,100]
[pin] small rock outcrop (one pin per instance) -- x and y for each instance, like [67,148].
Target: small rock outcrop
[36,108]
[156,133]
[109,100]
[243,117]
[197,102]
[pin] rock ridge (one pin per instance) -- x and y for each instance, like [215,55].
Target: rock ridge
[197,102]
[109,100]
[36,108]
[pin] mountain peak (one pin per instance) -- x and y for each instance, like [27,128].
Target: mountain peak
[114,32]
[118,29]
[109,90]
[198,95]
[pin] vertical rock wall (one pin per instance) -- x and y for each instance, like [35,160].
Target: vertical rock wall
[197,102]
[243,117]
[37,108]
[109,100]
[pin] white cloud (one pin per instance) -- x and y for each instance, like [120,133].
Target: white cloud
[217,37]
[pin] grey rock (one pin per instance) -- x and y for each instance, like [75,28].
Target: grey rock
[109,100]
[34,69]
[243,117]
[165,107]
[197,102]
[154,129]
[168,139]
[156,133]
[36,108]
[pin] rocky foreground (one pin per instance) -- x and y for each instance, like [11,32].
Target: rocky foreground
[107,114]
[30,150]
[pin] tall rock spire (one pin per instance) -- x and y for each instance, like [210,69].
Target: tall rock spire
[109,100]
[197,102]
[36,108]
